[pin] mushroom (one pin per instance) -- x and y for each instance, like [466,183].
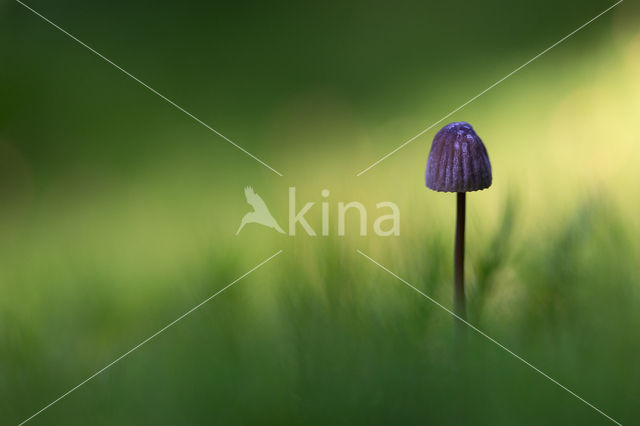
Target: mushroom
[458,162]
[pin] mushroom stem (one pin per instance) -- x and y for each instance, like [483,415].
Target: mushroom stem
[458,258]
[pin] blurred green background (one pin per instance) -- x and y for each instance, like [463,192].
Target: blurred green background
[118,213]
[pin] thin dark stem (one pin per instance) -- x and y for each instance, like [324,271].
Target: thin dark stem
[458,258]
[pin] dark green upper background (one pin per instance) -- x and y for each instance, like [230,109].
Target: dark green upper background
[233,64]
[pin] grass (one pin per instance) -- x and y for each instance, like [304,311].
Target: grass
[321,335]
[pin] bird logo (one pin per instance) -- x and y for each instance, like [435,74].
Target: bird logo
[260,213]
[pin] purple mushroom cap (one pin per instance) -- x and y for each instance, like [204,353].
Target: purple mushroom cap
[458,160]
